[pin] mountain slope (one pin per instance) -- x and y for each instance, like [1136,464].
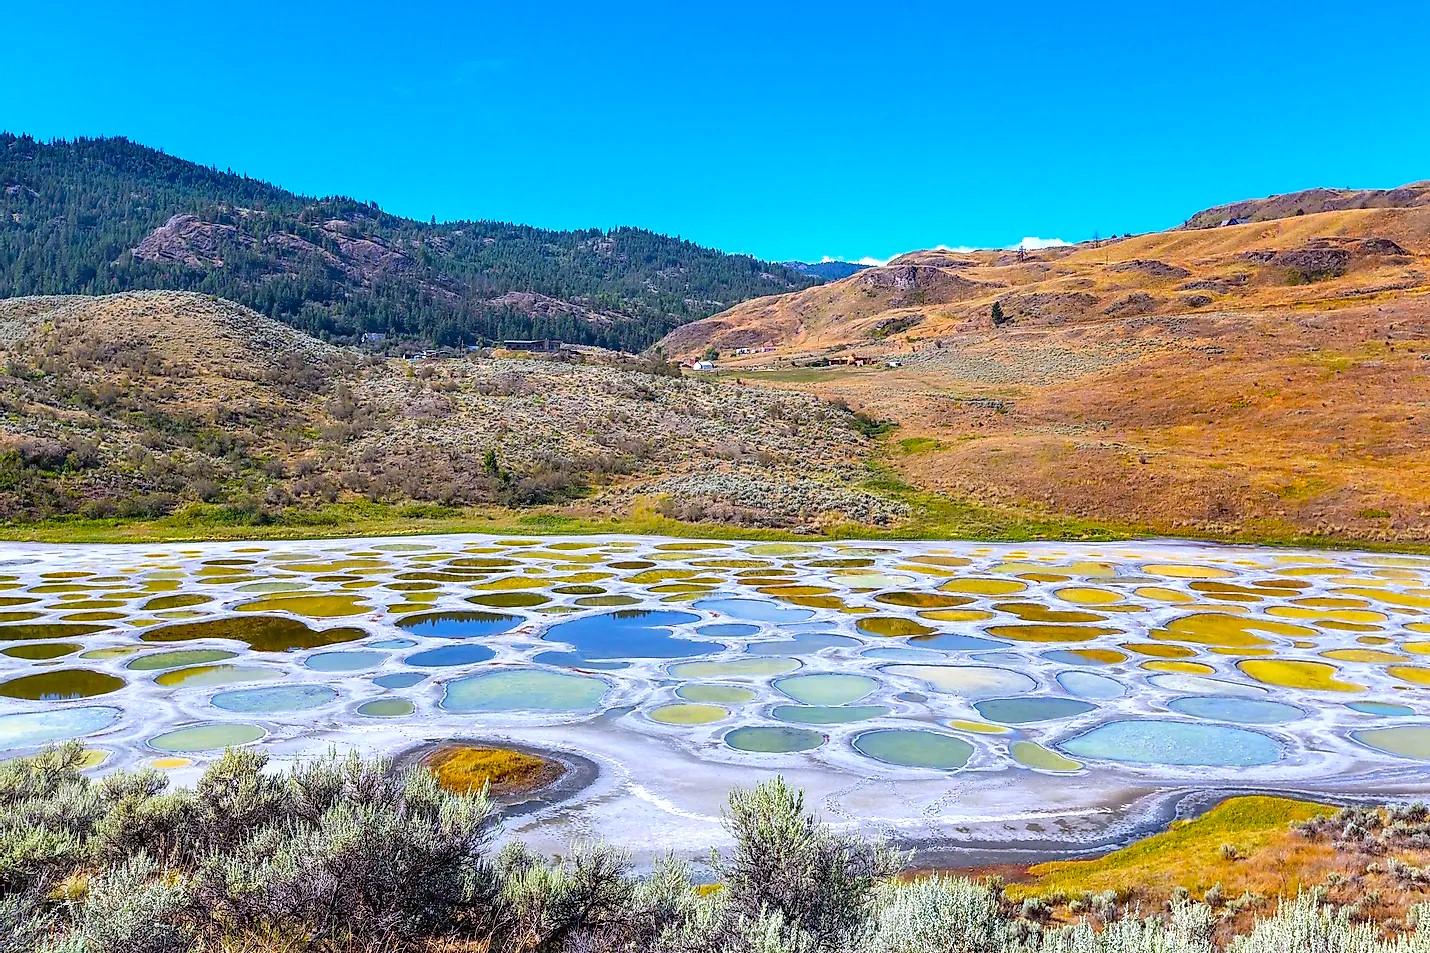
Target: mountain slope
[826,270]
[1311,201]
[1265,379]
[1294,261]
[143,404]
[104,215]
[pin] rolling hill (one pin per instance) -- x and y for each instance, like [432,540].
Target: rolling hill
[158,405]
[97,216]
[1264,378]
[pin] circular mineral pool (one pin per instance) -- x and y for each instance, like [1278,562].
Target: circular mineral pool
[688,714]
[1403,741]
[1020,711]
[1091,685]
[967,681]
[894,653]
[157,661]
[630,633]
[754,610]
[273,699]
[213,676]
[459,654]
[509,600]
[762,739]
[954,642]
[207,736]
[1030,754]
[33,728]
[41,651]
[827,714]
[727,630]
[459,625]
[60,684]
[1388,709]
[715,694]
[399,679]
[827,688]
[1197,685]
[386,708]
[1175,743]
[802,644]
[914,748]
[354,661]
[524,689]
[392,644]
[1246,711]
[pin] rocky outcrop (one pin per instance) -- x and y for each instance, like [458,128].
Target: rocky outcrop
[544,306]
[1151,268]
[1132,305]
[190,241]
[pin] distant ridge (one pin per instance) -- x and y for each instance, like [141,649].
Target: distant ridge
[826,270]
[1311,201]
[96,216]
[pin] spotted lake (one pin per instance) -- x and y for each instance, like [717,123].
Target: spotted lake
[960,695]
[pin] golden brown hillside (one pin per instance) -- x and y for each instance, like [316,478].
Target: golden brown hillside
[1269,378]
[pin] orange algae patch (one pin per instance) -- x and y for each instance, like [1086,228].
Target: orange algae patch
[1414,674]
[983,587]
[1312,676]
[1362,655]
[1037,612]
[466,769]
[1088,596]
[979,727]
[1163,594]
[921,600]
[1412,600]
[956,615]
[1158,650]
[1181,668]
[892,626]
[1217,628]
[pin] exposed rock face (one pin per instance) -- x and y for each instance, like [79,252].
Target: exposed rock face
[544,306]
[1312,262]
[189,240]
[916,284]
[196,243]
[369,256]
[1138,302]
[1052,305]
[1152,268]
[1220,285]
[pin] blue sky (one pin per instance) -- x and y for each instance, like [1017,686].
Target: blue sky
[794,131]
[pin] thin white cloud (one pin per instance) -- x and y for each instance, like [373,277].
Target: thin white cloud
[1030,243]
[1033,244]
[877,262]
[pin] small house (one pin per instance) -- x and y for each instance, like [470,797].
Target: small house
[704,365]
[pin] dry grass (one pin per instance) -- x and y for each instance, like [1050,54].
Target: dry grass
[1271,858]
[1185,420]
[464,769]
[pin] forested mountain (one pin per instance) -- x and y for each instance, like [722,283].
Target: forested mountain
[826,270]
[94,216]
